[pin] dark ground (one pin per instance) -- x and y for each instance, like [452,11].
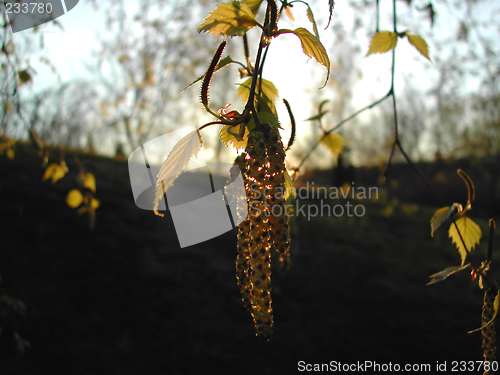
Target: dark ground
[125,299]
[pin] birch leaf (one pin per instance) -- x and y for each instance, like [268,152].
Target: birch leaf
[312,47]
[334,142]
[268,98]
[174,164]
[74,198]
[420,44]
[444,214]
[310,15]
[440,276]
[55,172]
[228,139]
[471,233]
[229,19]
[253,5]
[289,189]
[89,181]
[382,42]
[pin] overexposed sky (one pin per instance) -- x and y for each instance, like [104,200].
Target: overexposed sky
[296,76]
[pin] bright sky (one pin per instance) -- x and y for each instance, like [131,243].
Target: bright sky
[69,51]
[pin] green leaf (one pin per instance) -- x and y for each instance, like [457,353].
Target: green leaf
[229,19]
[334,142]
[268,98]
[312,47]
[444,214]
[420,44]
[382,42]
[471,234]
[440,276]
[310,15]
[222,63]
[174,164]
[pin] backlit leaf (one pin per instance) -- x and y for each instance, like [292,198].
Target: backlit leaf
[289,189]
[334,142]
[382,42]
[228,139]
[310,15]
[94,203]
[229,19]
[89,181]
[74,198]
[253,5]
[54,172]
[312,47]
[174,164]
[420,44]
[471,234]
[444,214]
[267,99]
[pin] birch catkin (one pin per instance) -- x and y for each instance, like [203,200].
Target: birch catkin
[488,332]
[266,226]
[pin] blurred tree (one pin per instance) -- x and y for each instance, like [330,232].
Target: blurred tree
[155,52]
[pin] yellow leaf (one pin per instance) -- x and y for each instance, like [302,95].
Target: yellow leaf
[24,76]
[10,153]
[89,181]
[420,44]
[227,138]
[54,172]
[74,198]
[382,42]
[229,19]
[334,142]
[312,47]
[94,203]
[471,234]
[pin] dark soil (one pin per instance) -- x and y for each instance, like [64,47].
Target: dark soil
[125,299]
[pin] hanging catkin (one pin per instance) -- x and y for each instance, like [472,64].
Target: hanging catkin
[488,332]
[266,225]
[278,219]
[260,244]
